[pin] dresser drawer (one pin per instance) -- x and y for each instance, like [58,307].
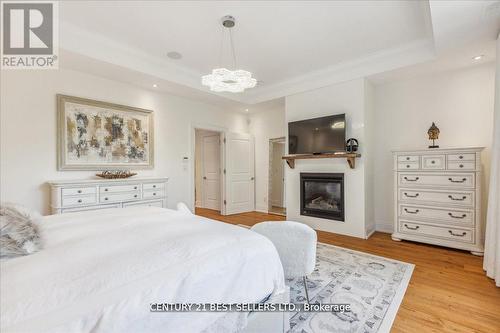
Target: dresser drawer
[459,198]
[78,200]
[408,166]
[448,215]
[152,194]
[449,233]
[158,203]
[118,188]
[409,158]
[432,179]
[78,191]
[117,197]
[89,208]
[153,186]
[433,162]
[461,157]
[456,165]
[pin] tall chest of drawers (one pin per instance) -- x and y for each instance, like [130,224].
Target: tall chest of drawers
[437,194]
[95,194]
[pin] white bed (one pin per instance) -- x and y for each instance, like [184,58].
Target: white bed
[99,272]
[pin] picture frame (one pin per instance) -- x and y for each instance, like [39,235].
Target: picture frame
[95,135]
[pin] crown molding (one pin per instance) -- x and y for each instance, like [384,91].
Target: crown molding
[385,60]
[98,47]
[77,40]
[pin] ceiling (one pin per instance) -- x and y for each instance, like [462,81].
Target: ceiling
[289,46]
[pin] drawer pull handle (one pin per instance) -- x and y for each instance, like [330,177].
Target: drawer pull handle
[457,217]
[135,187]
[457,199]
[408,227]
[412,180]
[457,181]
[79,200]
[433,162]
[154,186]
[135,195]
[414,212]
[154,193]
[457,235]
[105,190]
[79,191]
[407,165]
[460,157]
[412,196]
[407,158]
[105,198]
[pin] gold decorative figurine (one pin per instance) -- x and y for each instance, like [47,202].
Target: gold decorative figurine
[433,135]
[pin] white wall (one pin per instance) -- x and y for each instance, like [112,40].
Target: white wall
[369,158]
[265,125]
[348,98]
[459,101]
[28,131]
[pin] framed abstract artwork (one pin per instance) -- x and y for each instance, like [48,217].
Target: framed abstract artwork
[94,135]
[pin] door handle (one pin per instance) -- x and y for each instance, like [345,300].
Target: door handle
[204,177]
[252,178]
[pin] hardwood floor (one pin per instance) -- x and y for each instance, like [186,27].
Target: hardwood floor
[448,291]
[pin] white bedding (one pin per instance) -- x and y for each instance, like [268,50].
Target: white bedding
[99,271]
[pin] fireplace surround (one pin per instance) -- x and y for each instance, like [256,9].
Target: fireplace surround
[322,195]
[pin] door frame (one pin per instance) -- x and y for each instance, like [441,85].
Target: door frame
[270,172]
[192,184]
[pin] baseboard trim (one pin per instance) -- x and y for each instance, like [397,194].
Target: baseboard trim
[370,233]
[262,210]
[387,228]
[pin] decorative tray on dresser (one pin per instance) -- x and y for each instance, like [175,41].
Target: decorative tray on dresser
[93,194]
[437,194]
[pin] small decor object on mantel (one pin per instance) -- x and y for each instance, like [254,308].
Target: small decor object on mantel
[433,135]
[351,146]
[118,174]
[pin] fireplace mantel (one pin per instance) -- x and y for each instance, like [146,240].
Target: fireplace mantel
[350,157]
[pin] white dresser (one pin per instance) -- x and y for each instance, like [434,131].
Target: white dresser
[92,194]
[438,197]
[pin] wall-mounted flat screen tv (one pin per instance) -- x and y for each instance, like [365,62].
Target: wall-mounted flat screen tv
[318,135]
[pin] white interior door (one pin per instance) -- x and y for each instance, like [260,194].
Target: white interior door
[211,172]
[239,152]
[277,169]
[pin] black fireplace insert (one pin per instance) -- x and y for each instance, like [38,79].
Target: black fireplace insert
[322,195]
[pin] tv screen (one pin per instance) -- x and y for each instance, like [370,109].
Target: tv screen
[318,135]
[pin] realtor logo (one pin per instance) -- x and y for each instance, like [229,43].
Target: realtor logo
[29,35]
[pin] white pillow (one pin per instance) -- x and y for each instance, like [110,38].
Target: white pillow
[18,234]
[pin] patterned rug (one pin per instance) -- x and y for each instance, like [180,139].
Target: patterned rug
[373,286]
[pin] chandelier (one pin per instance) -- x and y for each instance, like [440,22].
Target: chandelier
[223,79]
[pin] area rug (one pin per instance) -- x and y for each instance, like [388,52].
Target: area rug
[373,286]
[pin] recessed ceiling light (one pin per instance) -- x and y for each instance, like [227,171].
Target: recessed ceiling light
[155,85]
[174,55]
[246,110]
[478,57]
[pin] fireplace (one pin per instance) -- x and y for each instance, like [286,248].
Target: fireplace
[322,195]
